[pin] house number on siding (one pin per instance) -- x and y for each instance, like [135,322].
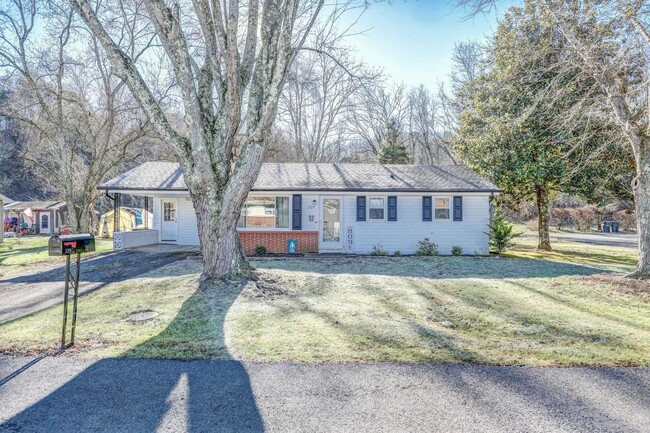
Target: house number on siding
[349,238]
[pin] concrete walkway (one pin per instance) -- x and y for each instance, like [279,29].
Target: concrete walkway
[63,394]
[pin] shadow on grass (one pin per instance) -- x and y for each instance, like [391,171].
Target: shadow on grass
[9,252]
[587,258]
[145,395]
[435,267]
[573,305]
[507,322]
[103,268]
[546,327]
[45,288]
[375,343]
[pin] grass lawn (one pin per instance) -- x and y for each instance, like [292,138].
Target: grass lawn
[25,253]
[612,259]
[572,307]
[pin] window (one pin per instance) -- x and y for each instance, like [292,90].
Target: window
[169,211]
[45,221]
[442,208]
[376,208]
[282,206]
[265,212]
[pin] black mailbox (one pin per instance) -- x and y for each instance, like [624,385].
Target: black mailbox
[71,244]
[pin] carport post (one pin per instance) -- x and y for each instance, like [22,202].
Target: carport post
[146,213]
[74,303]
[65,299]
[116,213]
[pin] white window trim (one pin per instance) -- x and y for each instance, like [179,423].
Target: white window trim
[449,207]
[164,211]
[376,220]
[45,217]
[274,229]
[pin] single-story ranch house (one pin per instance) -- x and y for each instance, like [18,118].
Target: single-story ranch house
[326,208]
[46,215]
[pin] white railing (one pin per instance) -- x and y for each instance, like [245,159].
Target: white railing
[135,238]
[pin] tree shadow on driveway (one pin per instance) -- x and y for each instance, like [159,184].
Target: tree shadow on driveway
[104,268]
[146,395]
[31,292]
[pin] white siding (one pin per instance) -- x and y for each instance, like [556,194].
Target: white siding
[188,233]
[308,208]
[404,234]
[156,214]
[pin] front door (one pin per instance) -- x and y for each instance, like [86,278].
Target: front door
[331,236]
[45,223]
[169,226]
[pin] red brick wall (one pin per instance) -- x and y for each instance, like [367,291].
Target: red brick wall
[276,241]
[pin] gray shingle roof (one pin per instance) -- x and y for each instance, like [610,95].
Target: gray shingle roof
[35,205]
[156,176]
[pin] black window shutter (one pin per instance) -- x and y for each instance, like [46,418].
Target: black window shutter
[296,223]
[426,208]
[458,208]
[361,208]
[392,208]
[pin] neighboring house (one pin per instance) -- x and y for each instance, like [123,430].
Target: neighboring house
[3,201]
[328,208]
[47,216]
[6,200]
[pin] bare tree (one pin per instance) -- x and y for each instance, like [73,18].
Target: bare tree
[77,120]
[229,59]
[427,134]
[377,107]
[433,116]
[317,99]
[467,64]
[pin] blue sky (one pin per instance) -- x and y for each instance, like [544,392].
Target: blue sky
[413,40]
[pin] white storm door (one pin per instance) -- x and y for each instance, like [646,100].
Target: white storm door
[331,233]
[45,223]
[169,224]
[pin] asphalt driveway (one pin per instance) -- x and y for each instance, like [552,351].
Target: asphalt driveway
[28,292]
[120,395]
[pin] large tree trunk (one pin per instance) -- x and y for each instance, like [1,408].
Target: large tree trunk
[641,187]
[77,214]
[218,208]
[541,197]
[83,218]
[223,255]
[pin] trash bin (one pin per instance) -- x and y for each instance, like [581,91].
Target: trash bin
[615,225]
[607,227]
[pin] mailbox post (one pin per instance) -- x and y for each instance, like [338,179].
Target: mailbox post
[67,246]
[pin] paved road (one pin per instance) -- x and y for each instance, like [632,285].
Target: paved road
[32,291]
[629,240]
[64,394]
[625,240]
